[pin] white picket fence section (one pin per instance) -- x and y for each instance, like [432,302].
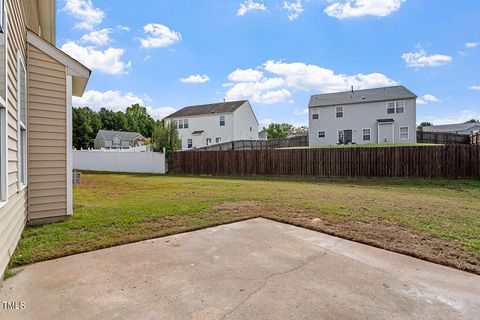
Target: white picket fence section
[114,161]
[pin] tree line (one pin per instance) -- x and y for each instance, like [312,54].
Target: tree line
[87,123]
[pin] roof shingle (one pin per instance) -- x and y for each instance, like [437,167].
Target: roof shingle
[214,108]
[361,96]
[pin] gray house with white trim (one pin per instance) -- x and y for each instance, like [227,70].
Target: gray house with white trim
[372,116]
[459,128]
[118,140]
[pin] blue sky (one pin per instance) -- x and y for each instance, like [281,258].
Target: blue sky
[172,53]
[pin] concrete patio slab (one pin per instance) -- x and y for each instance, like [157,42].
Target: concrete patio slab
[256,269]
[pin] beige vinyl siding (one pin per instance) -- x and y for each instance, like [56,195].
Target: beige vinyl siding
[30,8]
[13,215]
[47,136]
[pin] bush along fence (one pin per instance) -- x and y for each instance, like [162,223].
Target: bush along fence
[301,141]
[453,161]
[442,138]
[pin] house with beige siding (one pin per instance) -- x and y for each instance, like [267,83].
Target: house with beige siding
[37,81]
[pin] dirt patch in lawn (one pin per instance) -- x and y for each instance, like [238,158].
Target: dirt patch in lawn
[381,234]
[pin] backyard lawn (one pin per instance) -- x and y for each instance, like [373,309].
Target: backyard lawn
[437,220]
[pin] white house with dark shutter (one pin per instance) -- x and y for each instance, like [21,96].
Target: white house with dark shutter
[209,124]
[373,116]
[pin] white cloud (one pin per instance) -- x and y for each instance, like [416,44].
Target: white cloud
[358,8]
[474,88]
[119,101]
[295,9]
[250,5]
[287,76]
[464,116]
[265,122]
[312,77]
[84,11]
[159,36]
[303,112]
[100,37]
[160,113]
[421,59]
[247,75]
[196,79]
[107,61]
[123,28]
[113,100]
[470,45]
[426,99]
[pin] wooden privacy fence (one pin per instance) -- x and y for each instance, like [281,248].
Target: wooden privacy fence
[442,138]
[301,141]
[454,161]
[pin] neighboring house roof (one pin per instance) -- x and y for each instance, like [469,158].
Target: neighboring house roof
[361,96]
[457,127]
[214,108]
[108,135]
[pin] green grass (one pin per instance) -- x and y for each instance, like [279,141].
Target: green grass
[385,145]
[434,219]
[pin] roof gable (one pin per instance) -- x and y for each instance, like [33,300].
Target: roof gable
[361,96]
[206,109]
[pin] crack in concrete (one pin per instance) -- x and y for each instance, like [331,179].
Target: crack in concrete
[268,278]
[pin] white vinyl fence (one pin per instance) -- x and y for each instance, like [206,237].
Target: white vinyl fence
[114,161]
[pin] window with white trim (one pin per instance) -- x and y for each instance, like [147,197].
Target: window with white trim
[222,121]
[189,143]
[209,141]
[395,107]
[321,134]
[22,121]
[403,133]
[3,106]
[315,114]
[218,140]
[366,133]
[185,124]
[339,112]
[180,124]
[175,123]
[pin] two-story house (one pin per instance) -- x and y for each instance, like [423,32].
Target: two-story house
[372,116]
[209,124]
[37,81]
[106,139]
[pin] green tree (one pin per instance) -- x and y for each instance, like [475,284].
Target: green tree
[279,130]
[139,120]
[473,121]
[165,136]
[86,124]
[424,124]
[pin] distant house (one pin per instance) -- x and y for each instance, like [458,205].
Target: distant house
[373,116]
[460,128]
[209,124]
[263,135]
[118,140]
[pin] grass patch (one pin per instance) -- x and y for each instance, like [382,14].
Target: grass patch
[433,219]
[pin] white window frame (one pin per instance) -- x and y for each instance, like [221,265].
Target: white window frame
[222,120]
[22,141]
[337,112]
[185,123]
[208,141]
[4,116]
[343,136]
[400,132]
[189,143]
[396,107]
[322,136]
[180,124]
[369,134]
[315,113]
[218,140]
